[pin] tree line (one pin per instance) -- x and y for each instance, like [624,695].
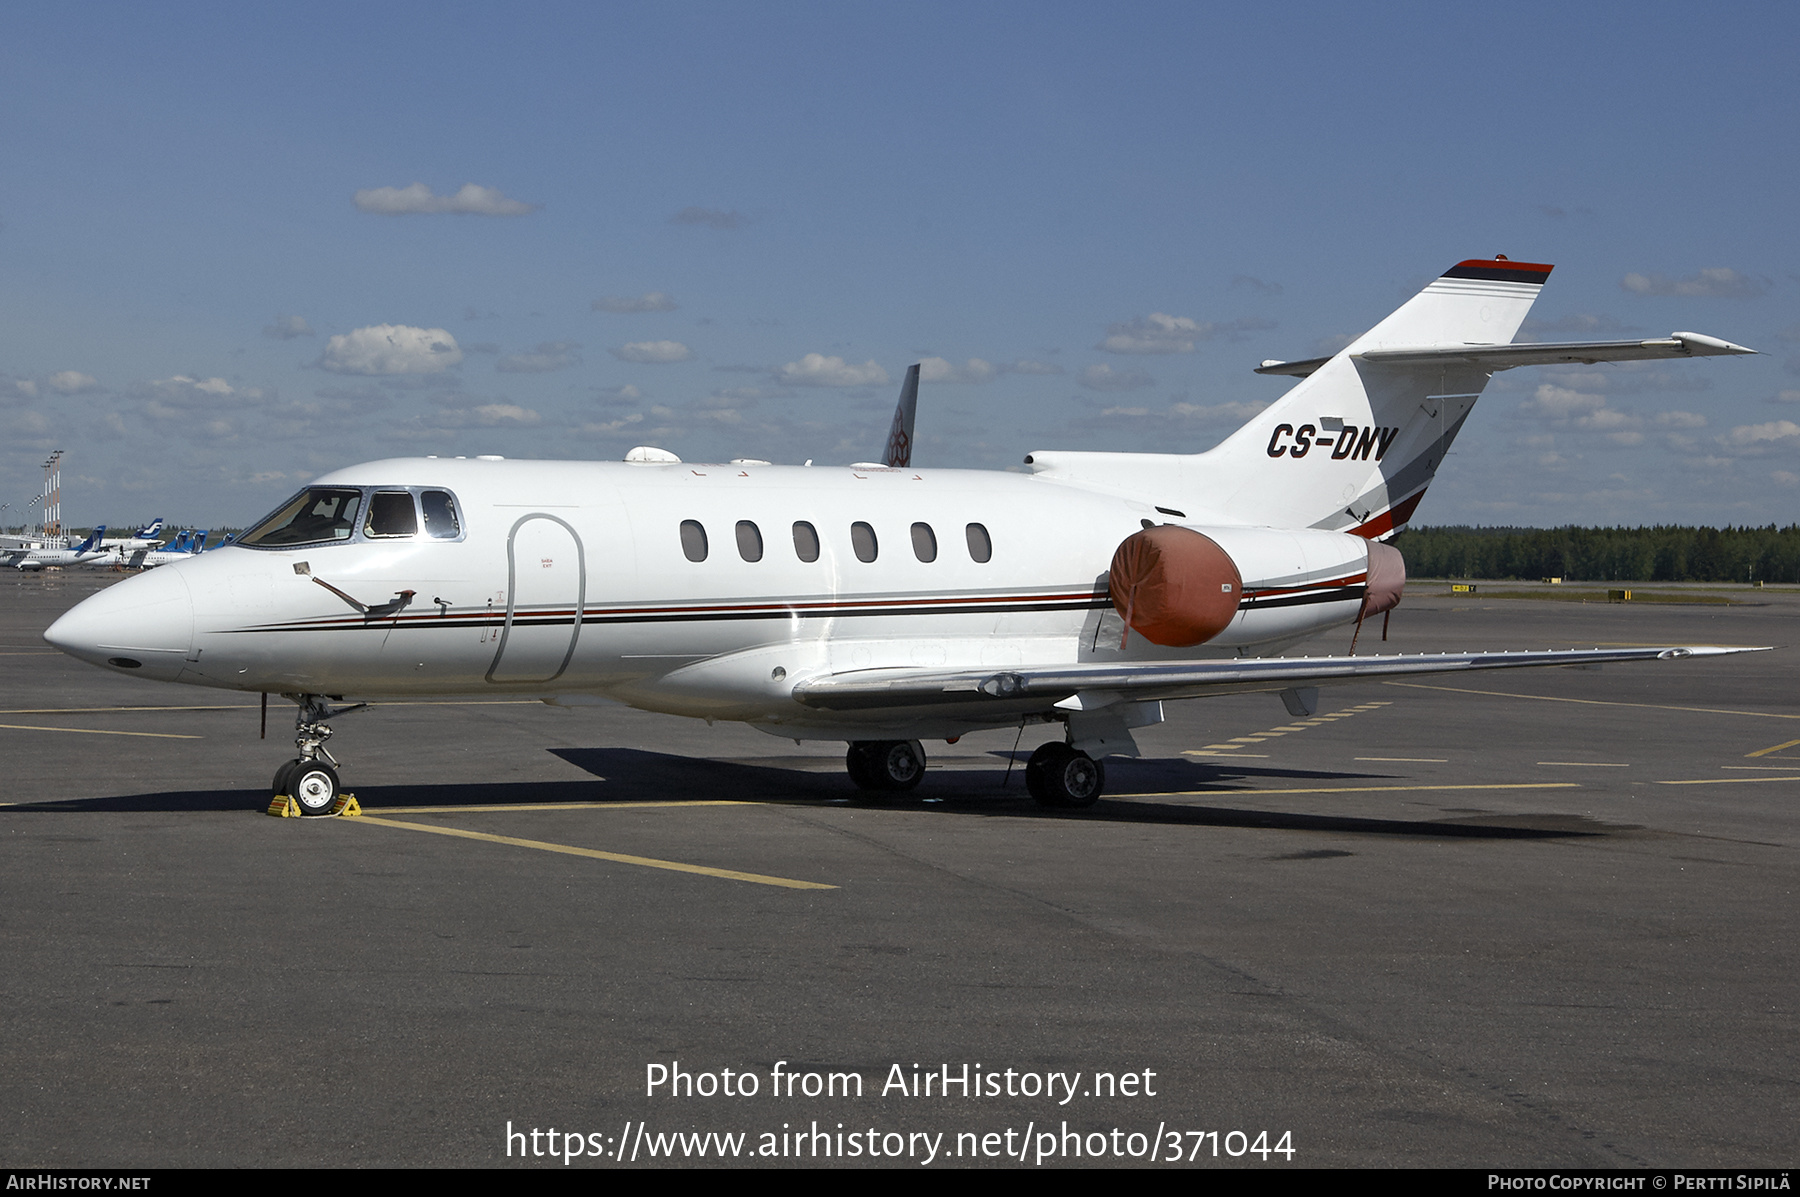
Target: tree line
[1660,554]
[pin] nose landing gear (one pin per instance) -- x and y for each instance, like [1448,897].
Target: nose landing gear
[311,781]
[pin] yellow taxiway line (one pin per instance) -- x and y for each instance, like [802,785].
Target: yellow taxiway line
[1519,785]
[673,866]
[502,808]
[95,731]
[1721,781]
[1596,702]
[1775,748]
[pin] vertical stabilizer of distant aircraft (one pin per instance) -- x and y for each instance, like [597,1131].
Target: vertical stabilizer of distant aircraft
[900,437]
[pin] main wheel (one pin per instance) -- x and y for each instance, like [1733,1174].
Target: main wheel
[1059,776]
[859,765]
[885,766]
[315,786]
[899,764]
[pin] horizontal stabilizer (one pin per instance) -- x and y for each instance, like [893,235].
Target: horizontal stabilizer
[878,688]
[1505,357]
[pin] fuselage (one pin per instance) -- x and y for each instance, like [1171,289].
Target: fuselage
[706,590]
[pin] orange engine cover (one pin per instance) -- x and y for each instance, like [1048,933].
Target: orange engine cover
[1174,586]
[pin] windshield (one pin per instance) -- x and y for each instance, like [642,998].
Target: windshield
[318,513]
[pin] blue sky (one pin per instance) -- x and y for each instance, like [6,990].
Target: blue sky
[728,229]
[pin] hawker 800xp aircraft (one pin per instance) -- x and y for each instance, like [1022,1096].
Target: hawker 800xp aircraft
[878,605]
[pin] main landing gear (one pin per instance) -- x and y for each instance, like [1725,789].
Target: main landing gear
[889,766]
[1057,775]
[311,781]
[1060,776]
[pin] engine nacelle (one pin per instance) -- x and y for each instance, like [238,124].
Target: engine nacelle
[1180,587]
[1174,586]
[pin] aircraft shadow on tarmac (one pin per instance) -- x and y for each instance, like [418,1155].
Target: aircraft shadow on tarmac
[1173,791]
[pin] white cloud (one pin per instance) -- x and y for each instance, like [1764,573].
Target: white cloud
[1713,282]
[712,218]
[1155,333]
[1783,397]
[201,390]
[1680,419]
[1105,378]
[817,370]
[1785,478]
[417,200]
[16,388]
[1757,439]
[649,301]
[549,355]
[286,328]
[614,396]
[1561,403]
[1028,367]
[1218,413]
[936,369]
[653,352]
[1252,283]
[391,349]
[1162,333]
[71,382]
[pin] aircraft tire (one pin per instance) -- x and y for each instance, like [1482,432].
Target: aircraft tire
[315,786]
[279,787]
[899,764]
[885,766]
[1060,777]
[857,762]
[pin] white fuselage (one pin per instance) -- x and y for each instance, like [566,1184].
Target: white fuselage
[571,579]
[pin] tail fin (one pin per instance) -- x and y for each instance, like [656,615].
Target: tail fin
[900,437]
[199,545]
[1354,445]
[150,529]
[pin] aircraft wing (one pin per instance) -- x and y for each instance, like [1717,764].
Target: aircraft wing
[1086,686]
[1505,357]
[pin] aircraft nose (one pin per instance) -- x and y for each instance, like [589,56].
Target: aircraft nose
[143,624]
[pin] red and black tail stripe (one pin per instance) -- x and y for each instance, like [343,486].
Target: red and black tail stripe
[1500,271]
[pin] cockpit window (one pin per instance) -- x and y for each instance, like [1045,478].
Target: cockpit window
[391,514]
[440,514]
[317,514]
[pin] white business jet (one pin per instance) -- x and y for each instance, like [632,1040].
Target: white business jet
[876,604]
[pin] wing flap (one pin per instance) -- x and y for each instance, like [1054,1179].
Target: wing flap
[877,688]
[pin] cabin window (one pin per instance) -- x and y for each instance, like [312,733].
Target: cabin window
[749,540]
[319,514]
[862,539]
[981,547]
[440,514]
[693,540]
[924,542]
[391,513]
[806,541]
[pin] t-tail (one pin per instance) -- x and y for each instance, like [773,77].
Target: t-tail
[900,436]
[1353,447]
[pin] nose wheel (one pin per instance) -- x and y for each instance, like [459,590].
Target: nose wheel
[311,778]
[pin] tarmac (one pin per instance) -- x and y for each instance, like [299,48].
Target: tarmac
[1539,918]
